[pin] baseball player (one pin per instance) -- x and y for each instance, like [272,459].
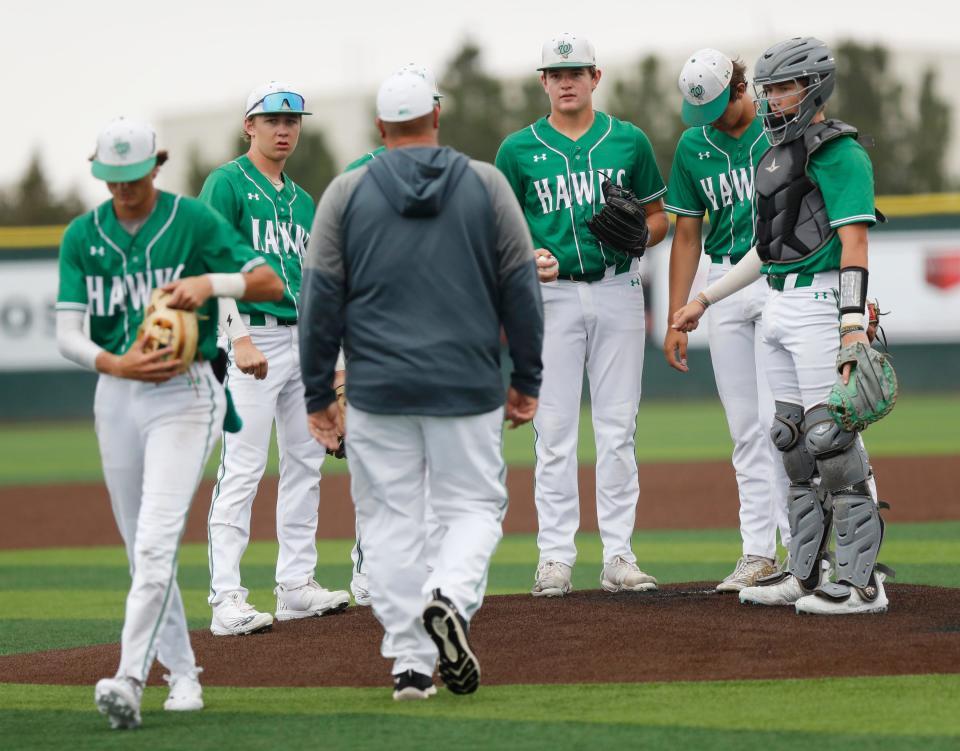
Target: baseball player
[814,191]
[255,195]
[713,174]
[594,311]
[425,396]
[156,423]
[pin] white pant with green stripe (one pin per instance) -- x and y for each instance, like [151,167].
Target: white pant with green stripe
[277,398]
[396,463]
[154,442]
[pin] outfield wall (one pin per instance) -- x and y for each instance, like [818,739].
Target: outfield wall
[914,273]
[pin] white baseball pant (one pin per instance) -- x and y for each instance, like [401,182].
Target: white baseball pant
[154,442]
[396,462]
[737,353]
[243,459]
[600,325]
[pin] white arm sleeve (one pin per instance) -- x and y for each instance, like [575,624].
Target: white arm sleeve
[742,275]
[341,361]
[73,343]
[231,324]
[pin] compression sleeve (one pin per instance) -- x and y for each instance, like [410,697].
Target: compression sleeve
[73,343]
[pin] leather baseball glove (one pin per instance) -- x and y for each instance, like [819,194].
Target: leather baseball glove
[622,223]
[871,391]
[169,327]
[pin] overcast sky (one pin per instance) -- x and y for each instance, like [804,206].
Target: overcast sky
[77,65]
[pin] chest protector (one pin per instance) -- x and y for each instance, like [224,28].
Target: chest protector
[792,220]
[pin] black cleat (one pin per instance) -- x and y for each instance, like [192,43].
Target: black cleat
[459,667]
[411,685]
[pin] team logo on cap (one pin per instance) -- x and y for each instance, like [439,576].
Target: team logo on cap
[696,91]
[563,48]
[121,147]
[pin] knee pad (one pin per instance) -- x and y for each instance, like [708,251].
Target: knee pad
[786,434]
[809,527]
[859,534]
[840,458]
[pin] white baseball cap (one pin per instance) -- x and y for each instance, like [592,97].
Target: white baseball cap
[567,50]
[426,74]
[404,96]
[705,83]
[275,98]
[126,151]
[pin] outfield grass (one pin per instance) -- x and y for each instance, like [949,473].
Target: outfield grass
[40,453]
[902,712]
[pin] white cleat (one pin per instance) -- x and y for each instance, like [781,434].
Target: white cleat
[748,569]
[553,580]
[234,616]
[786,591]
[360,587]
[119,699]
[309,600]
[186,693]
[845,599]
[620,575]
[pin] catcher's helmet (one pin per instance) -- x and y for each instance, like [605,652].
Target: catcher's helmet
[801,57]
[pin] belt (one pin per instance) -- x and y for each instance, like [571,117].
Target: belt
[594,276]
[779,281]
[265,319]
[735,258]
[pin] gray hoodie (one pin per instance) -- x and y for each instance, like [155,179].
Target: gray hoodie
[415,261]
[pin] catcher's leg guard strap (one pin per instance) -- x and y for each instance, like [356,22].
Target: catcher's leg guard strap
[809,525]
[787,434]
[859,534]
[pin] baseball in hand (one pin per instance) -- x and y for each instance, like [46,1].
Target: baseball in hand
[548,267]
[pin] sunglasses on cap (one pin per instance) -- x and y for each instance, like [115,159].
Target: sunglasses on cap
[279,102]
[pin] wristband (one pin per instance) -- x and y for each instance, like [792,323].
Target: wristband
[228,285]
[702,299]
[853,289]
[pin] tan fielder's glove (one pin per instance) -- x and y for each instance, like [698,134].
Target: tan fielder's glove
[170,327]
[341,451]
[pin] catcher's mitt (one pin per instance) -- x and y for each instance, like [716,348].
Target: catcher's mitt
[871,391]
[622,223]
[169,327]
[341,451]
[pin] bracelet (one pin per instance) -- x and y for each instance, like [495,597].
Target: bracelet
[702,299]
[844,330]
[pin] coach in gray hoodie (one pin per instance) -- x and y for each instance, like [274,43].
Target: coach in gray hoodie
[415,261]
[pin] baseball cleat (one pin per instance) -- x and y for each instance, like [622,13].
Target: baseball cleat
[186,693]
[119,699]
[781,588]
[620,575]
[412,686]
[360,587]
[234,616]
[845,599]
[458,667]
[552,580]
[308,601]
[748,570]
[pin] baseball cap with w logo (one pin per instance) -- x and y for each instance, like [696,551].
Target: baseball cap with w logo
[275,98]
[705,83]
[126,151]
[567,51]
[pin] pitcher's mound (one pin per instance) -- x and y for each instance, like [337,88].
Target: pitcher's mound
[682,632]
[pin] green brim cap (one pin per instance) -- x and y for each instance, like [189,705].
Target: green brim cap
[704,114]
[123,173]
[555,66]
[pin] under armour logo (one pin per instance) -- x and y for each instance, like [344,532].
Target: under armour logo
[773,166]
[96,250]
[819,295]
[253,196]
[539,157]
[634,282]
[703,154]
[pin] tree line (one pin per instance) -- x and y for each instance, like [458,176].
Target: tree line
[906,128]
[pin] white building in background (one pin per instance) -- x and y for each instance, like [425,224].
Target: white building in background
[346,119]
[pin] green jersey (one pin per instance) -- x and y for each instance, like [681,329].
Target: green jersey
[106,272]
[842,170]
[276,222]
[712,174]
[557,182]
[369,156]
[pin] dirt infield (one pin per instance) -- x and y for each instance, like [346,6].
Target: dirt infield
[672,496]
[682,633]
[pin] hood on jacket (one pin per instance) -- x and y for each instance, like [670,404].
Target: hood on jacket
[416,180]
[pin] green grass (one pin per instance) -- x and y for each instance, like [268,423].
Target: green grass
[899,712]
[667,431]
